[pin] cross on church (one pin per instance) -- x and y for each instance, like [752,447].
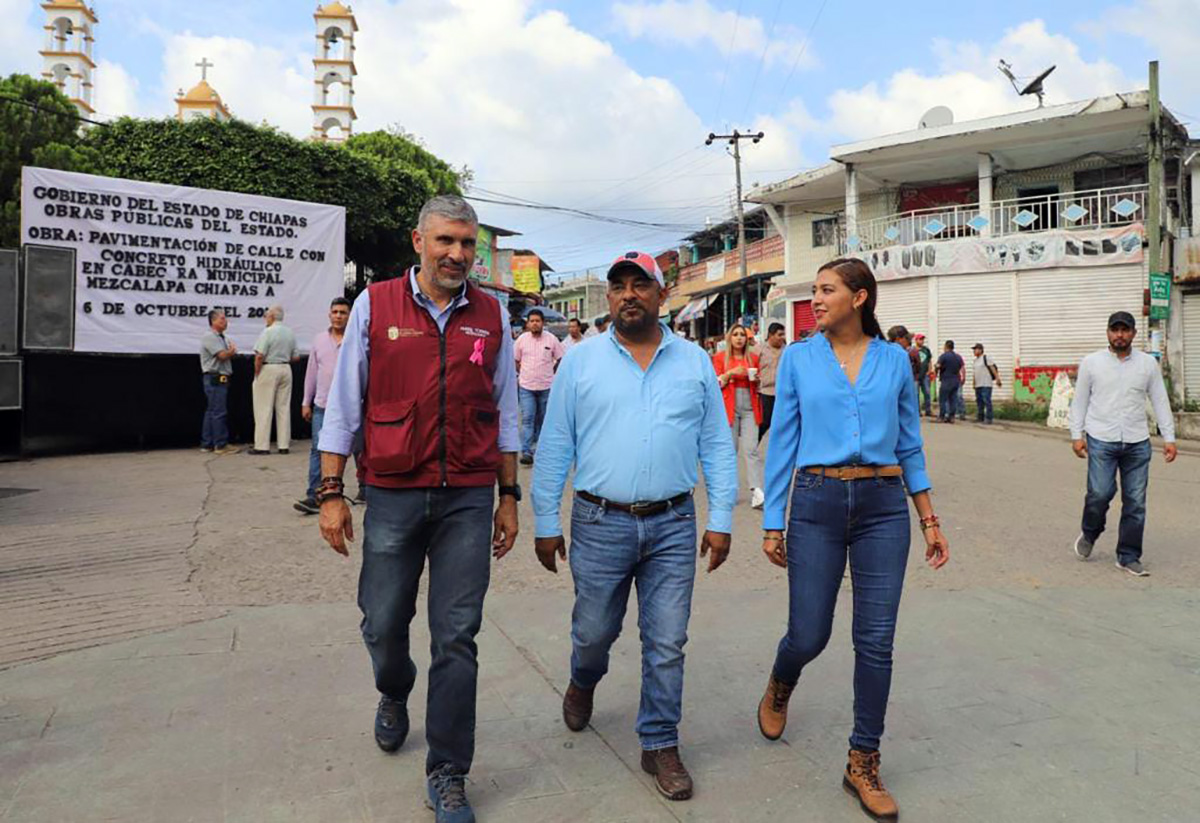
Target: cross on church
[204,66]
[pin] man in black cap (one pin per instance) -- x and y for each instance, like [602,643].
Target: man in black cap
[1108,427]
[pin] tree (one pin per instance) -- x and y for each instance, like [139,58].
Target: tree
[39,126]
[381,179]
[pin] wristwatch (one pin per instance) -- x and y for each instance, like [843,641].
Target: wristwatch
[511,491]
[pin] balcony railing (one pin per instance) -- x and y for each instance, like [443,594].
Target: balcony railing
[758,250]
[1098,208]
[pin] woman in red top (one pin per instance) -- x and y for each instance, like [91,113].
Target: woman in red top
[737,372]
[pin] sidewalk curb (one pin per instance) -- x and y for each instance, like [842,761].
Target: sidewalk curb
[1188,447]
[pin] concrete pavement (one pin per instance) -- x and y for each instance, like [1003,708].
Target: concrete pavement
[1028,686]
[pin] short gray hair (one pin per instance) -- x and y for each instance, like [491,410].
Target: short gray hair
[449,206]
[276,312]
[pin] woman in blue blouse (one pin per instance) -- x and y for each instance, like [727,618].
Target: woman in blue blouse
[846,428]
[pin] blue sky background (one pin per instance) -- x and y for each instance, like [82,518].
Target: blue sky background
[604,105]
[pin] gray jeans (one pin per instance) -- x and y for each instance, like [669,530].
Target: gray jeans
[745,439]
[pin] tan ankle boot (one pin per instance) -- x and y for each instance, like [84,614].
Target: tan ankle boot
[772,709]
[862,781]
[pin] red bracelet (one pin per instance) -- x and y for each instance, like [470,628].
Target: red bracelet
[930,522]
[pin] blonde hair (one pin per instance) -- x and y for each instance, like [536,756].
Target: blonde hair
[729,341]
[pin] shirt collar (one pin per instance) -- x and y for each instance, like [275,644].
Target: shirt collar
[668,338]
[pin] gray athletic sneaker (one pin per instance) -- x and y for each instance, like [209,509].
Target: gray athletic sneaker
[1083,547]
[1134,567]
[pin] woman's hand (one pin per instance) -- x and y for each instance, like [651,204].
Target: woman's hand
[775,548]
[740,371]
[937,547]
[723,379]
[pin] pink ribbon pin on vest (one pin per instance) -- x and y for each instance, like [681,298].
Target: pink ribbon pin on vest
[477,355]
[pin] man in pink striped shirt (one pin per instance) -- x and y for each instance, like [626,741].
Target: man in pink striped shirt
[322,359]
[537,353]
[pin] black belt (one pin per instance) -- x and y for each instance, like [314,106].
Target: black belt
[639,509]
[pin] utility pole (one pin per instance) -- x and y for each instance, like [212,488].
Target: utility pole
[734,140]
[1154,207]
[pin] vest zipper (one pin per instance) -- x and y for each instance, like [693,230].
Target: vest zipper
[442,404]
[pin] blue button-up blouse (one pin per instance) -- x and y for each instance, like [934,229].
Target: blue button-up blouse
[820,419]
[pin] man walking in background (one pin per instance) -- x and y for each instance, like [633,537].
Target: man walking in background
[537,353]
[635,412]
[950,368]
[274,352]
[768,367]
[574,334]
[987,377]
[322,360]
[1108,427]
[925,374]
[216,365]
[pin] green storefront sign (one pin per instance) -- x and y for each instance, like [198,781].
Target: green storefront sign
[1160,295]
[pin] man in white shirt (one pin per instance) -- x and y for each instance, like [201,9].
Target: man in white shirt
[1108,427]
[574,334]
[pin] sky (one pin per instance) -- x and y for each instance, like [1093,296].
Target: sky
[604,106]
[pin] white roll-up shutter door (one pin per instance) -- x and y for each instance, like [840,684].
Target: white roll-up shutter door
[977,308]
[905,303]
[1191,345]
[1063,312]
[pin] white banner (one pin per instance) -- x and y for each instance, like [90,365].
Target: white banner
[715,270]
[152,260]
[1040,250]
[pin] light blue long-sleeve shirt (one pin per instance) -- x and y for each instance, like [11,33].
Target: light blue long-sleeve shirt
[344,411]
[820,419]
[635,435]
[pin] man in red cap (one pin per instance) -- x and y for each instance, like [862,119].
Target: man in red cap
[635,409]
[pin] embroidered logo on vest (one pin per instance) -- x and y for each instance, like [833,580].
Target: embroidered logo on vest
[393,332]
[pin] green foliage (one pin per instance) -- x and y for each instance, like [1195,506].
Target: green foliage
[39,127]
[1023,412]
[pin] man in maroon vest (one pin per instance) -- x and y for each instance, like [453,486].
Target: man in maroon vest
[427,372]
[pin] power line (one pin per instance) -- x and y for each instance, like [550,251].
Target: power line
[579,213]
[762,58]
[737,18]
[803,48]
[29,104]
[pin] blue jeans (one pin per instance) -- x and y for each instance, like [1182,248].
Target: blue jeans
[923,388]
[983,403]
[314,453]
[533,412]
[610,550]
[948,399]
[214,431]
[1104,461]
[452,527]
[866,520]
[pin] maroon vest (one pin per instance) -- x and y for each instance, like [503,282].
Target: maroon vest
[430,419]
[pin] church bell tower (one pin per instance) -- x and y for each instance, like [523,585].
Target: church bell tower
[67,59]
[333,69]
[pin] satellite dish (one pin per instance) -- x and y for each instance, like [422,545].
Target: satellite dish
[936,116]
[1034,86]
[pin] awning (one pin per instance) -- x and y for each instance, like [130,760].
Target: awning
[692,310]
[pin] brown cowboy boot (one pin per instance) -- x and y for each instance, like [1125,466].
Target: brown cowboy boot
[670,775]
[577,707]
[772,709]
[862,781]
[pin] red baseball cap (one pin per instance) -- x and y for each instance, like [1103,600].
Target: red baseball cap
[639,259]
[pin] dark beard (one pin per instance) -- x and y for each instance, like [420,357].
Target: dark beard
[635,329]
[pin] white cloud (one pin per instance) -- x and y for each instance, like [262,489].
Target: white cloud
[970,84]
[116,91]
[19,40]
[1171,30]
[698,22]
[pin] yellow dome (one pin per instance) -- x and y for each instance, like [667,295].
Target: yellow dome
[202,93]
[334,9]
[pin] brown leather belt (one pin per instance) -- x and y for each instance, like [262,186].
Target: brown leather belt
[640,509]
[855,472]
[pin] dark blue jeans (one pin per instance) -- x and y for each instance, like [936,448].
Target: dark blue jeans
[983,403]
[866,520]
[610,551]
[923,388]
[533,412]
[452,527]
[948,400]
[1132,460]
[214,431]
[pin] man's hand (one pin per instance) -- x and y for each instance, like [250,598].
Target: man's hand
[306,413]
[232,347]
[1080,447]
[505,532]
[1170,452]
[336,524]
[718,543]
[547,548]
